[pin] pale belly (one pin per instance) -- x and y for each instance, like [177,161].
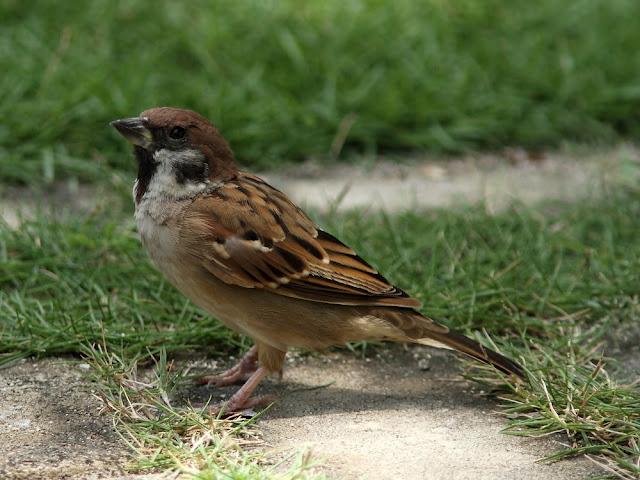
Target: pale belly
[162,243]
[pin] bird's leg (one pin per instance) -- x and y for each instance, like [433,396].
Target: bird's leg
[241,399]
[242,370]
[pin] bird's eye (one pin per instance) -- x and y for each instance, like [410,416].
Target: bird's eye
[177,133]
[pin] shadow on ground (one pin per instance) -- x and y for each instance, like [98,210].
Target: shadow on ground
[390,417]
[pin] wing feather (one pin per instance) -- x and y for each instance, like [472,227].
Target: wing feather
[249,234]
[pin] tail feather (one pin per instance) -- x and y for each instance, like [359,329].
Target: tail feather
[417,328]
[461,343]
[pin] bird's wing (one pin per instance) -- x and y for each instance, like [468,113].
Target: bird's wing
[249,234]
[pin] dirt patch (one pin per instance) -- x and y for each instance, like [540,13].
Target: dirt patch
[405,412]
[50,425]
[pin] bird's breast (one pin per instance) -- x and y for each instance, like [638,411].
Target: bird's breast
[159,229]
[159,233]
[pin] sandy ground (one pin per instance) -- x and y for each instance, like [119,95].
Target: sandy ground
[398,415]
[405,412]
[50,426]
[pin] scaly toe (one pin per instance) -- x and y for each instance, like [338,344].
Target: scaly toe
[246,408]
[219,380]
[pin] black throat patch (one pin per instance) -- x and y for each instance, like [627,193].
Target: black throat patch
[146,168]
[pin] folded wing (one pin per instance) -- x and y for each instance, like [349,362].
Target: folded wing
[249,234]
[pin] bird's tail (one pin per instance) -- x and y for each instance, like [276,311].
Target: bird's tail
[464,344]
[423,330]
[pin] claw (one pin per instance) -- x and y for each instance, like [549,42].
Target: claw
[246,409]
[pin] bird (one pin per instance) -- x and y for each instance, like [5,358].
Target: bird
[246,254]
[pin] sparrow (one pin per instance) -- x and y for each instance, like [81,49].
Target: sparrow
[246,254]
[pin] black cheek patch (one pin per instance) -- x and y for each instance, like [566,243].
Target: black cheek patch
[191,172]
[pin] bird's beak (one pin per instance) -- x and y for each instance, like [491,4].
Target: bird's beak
[135,130]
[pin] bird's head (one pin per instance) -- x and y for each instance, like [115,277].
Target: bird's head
[179,143]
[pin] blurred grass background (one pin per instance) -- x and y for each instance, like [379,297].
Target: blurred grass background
[284,79]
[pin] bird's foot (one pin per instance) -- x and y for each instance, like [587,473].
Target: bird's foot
[224,379]
[240,372]
[242,401]
[259,401]
[247,408]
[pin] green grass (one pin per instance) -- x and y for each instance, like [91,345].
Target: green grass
[286,81]
[600,417]
[188,441]
[548,285]
[65,284]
